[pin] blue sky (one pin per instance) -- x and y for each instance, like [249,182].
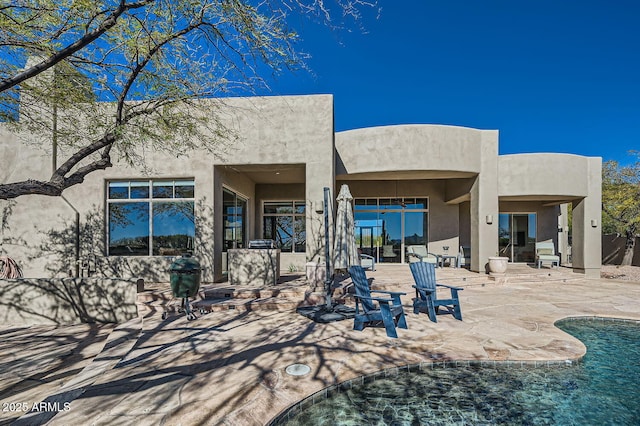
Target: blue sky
[551,76]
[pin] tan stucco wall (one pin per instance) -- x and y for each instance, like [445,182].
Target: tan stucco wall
[289,130]
[408,148]
[457,168]
[559,179]
[272,130]
[466,157]
[67,301]
[562,175]
[484,203]
[586,250]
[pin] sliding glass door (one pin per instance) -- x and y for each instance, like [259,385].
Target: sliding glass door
[385,226]
[517,236]
[234,216]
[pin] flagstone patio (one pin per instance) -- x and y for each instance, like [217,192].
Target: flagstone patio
[228,366]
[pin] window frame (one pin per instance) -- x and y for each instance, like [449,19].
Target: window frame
[402,205]
[175,183]
[238,199]
[295,204]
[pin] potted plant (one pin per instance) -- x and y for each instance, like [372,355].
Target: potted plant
[9,269]
[498,264]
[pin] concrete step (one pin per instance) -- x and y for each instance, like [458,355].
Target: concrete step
[254,293]
[163,296]
[245,304]
[217,297]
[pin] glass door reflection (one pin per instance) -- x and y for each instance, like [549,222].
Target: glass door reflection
[517,236]
[391,237]
[234,217]
[385,226]
[368,234]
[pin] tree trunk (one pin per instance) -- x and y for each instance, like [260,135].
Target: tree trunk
[629,249]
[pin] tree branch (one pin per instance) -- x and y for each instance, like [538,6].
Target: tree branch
[79,44]
[107,140]
[51,188]
[141,64]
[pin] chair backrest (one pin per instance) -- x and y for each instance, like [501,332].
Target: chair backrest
[361,284]
[420,250]
[424,274]
[387,251]
[366,261]
[545,248]
[465,256]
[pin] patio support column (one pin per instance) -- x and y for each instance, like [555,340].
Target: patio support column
[586,250]
[318,176]
[484,204]
[218,226]
[563,234]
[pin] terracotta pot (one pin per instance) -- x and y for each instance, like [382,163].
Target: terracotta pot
[498,265]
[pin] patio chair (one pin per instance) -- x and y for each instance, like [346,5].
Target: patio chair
[388,310]
[424,274]
[388,253]
[419,253]
[545,252]
[464,257]
[367,262]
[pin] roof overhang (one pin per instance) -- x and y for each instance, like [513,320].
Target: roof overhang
[270,173]
[407,175]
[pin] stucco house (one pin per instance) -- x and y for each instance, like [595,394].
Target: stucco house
[441,186]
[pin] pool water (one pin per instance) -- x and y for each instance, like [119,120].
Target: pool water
[600,390]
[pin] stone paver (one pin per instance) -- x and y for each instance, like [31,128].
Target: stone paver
[229,367]
[36,361]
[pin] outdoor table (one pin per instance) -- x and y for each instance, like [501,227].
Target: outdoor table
[443,257]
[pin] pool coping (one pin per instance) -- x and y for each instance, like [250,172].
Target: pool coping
[294,409]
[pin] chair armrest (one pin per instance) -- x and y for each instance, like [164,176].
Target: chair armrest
[426,290]
[371,258]
[449,286]
[377,299]
[429,255]
[423,292]
[389,292]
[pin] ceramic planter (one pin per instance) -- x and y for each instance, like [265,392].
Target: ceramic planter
[498,265]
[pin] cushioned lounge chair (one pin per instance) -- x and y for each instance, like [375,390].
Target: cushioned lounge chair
[367,262]
[545,252]
[464,257]
[419,253]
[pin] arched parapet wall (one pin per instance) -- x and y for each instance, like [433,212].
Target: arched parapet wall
[545,175]
[561,178]
[412,148]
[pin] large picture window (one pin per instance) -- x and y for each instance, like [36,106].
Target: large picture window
[284,222]
[385,227]
[150,217]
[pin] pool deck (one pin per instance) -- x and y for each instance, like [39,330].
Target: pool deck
[228,367]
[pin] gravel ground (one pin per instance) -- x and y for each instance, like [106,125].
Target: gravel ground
[626,273]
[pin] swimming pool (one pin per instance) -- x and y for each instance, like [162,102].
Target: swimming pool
[600,390]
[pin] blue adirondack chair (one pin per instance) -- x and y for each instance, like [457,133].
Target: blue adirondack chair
[424,274]
[389,310]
